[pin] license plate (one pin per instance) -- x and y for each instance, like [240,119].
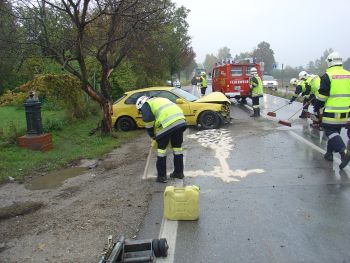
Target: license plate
[237,87]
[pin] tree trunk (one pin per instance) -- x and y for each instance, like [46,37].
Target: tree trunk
[106,123]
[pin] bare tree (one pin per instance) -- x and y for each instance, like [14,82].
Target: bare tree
[74,32]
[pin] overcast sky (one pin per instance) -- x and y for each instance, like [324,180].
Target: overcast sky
[298,31]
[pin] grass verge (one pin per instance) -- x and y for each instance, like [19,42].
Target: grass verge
[282,94]
[70,144]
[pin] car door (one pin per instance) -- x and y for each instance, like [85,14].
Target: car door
[132,111]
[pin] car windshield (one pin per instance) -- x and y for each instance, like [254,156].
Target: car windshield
[184,94]
[267,77]
[122,97]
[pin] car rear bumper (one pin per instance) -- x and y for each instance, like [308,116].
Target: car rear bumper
[270,86]
[232,94]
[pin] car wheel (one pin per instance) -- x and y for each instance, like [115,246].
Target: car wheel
[209,120]
[125,124]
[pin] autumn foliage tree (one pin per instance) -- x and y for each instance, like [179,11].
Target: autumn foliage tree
[78,32]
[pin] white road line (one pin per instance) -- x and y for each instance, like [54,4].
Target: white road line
[251,108]
[302,139]
[336,161]
[145,172]
[168,230]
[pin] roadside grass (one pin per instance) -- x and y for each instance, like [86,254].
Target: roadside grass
[13,116]
[283,94]
[70,144]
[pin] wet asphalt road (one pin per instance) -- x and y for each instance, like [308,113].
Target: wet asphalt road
[267,194]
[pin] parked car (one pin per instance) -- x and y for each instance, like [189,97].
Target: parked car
[208,112]
[269,82]
[177,83]
[173,83]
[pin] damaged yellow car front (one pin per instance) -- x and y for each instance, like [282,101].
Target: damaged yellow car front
[208,112]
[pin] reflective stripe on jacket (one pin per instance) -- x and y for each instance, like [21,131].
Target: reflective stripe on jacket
[166,113]
[336,110]
[257,89]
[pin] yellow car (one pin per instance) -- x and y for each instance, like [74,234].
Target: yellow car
[208,112]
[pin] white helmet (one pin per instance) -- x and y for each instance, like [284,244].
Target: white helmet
[334,59]
[140,101]
[253,71]
[303,75]
[293,81]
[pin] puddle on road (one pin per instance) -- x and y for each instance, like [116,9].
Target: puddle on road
[54,179]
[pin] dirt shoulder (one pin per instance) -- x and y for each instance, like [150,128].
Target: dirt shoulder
[71,223]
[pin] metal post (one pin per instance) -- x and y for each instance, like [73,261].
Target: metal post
[33,115]
[282,79]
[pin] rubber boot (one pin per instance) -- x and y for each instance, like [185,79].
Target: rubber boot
[255,113]
[345,158]
[328,156]
[258,112]
[161,169]
[178,167]
[243,101]
[303,115]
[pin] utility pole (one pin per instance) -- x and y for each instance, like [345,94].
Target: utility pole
[282,79]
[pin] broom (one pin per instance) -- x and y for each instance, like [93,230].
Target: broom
[273,113]
[287,123]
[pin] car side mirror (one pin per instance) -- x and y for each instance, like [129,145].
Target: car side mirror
[180,101]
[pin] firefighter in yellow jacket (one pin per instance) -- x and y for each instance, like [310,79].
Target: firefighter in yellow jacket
[310,84]
[256,91]
[204,83]
[164,122]
[332,105]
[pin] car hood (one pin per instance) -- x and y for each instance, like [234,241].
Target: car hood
[214,97]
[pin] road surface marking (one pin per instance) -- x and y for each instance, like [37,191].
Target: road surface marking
[251,109]
[336,161]
[144,176]
[168,229]
[221,142]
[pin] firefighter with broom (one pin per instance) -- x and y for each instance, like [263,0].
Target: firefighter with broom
[164,122]
[305,91]
[333,105]
[299,89]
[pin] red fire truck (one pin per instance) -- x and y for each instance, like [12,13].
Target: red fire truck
[232,78]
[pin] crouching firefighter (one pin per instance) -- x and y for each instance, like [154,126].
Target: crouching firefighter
[334,96]
[311,84]
[256,91]
[164,122]
[299,89]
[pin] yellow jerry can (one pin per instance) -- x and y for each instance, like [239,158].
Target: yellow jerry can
[181,203]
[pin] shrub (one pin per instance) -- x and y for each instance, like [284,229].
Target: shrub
[10,98]
[58,91]
[13,133]
[51,125]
